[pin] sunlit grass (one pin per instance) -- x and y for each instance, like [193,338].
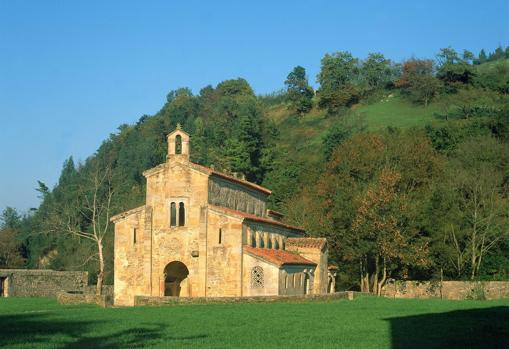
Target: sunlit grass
[362,323]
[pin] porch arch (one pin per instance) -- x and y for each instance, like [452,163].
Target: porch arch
[174,274]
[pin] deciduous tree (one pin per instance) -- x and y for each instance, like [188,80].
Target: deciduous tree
[300,94]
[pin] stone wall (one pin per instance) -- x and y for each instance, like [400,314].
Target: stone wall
[41,283]
[447,290]
[157,301]
[87,296]
[235,196]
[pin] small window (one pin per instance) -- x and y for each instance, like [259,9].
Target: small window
[134,235]
[257,277]
[276,245]
[220,237]
[178,144]
[173,215]
[269,243]
[182,215]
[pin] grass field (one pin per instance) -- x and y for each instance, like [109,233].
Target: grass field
[303,135]
[362,323]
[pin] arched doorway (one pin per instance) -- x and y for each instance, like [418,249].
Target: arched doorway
[174,273]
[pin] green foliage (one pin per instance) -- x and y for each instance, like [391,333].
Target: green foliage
[12,250]
[453,69]
[428,123]
[494,76]
[337,73]
[300,94]
[377,72]
[10,219]
[418,82]
[235,88]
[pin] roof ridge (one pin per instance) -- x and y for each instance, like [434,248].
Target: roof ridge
[278,257]
[252,217]
[213,171]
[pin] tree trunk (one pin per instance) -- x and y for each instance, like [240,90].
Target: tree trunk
[366,275]
[382,280]
[100,275]
[375,276]
[361,272]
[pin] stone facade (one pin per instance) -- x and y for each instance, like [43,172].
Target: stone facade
[40,283]
[455,290]
[203,233]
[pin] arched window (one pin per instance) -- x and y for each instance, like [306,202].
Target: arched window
[134,235]
[269,242]
[173,215]
[220,238]
[276,245]
[182,215]
[178,144]
[257,277]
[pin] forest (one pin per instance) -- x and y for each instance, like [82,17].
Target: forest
[402,166]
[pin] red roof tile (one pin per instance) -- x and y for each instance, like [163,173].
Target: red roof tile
[211,171]
[254,218]
[275,213]
[306,242]
[277,257]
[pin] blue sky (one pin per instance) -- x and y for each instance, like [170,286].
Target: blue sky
[72,71]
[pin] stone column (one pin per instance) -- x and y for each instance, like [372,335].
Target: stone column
[249,236]
[266,240]
[273,241]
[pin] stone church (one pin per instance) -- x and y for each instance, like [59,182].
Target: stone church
[204,233]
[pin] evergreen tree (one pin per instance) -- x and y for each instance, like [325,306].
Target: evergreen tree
[482,57]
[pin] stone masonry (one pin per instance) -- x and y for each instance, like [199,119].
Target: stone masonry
[39,282]
[204,233]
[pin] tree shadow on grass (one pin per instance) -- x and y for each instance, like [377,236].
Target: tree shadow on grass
[36,330]
[473,328]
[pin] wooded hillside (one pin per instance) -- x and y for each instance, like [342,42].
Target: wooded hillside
[403,166]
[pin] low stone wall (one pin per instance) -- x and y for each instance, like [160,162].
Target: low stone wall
[156,301]
[107,290]
[447,289]
[66,298]
[41,283]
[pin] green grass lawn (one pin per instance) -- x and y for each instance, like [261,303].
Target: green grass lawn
[397,112]
[362,323]
[303,135]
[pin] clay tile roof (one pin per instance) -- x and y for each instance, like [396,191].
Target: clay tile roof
[275,213]
[306,242]
[277,257]
[254,218]
[211,171]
